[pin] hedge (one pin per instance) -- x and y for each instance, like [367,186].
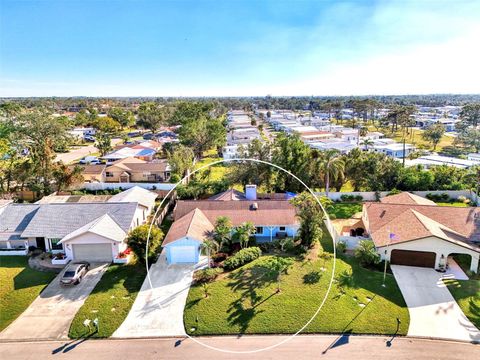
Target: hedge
[242,257]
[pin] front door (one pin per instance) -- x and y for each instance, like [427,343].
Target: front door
[41,243]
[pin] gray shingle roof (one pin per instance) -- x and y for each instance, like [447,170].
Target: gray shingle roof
[58,220]
[15,217]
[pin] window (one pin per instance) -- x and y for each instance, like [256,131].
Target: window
[109,174]
[282,228]
[55,244]
[259,230]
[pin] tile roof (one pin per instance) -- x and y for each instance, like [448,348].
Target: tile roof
[59,220]
[411,222]
[194,224]
[90,169]
[228,195]
[406,198]
[269,212]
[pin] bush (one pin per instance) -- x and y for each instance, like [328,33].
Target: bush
[242,257]
[351,198]
[438,197]
[366,253]
[206,275]
[341,247]
[219,257]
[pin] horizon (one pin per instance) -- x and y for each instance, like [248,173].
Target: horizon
[190,49]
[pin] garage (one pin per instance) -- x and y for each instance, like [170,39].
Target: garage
[92,252]
[413,258]
[183,254]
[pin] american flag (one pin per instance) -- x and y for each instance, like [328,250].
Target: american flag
[393,236]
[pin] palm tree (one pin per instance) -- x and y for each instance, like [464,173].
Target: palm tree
[244,232]
[333,167]
[367,142]
[211,246]
[222,233]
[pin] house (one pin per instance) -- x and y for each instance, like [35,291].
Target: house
[4,203]
[194,220]
[135,151]
[92,173]
[428,161]
[395,150]
[83,231]
[474,157]
[409,230]
[136,170]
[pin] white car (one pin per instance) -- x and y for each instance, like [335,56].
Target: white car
[92,160]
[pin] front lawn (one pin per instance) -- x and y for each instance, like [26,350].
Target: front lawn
[467,294]
[344,210]
[245,301]
[110,301]
[19,286]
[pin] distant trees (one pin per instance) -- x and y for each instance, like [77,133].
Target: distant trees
[468,127]
[434,134]
[124,117]
[153,116]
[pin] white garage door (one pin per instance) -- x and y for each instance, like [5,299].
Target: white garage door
[92,252]
[182,254]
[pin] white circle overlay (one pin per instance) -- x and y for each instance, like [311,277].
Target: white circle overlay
[287,338]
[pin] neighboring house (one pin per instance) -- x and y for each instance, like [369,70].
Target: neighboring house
[394,150]
[92,173]
[474,157]
[134,151]
[195,219]
[409,230]
[83,231]
[136,170]
[3,204]
[428,161]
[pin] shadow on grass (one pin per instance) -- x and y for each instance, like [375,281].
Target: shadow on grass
[29,278]
[131,276]
[312,277]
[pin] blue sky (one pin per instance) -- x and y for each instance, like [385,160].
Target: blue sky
[233,47]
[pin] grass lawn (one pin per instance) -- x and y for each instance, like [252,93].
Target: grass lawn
[344,210]
[454,204]
[110,301]
[467,295]
[244,301]
[19,286]
[214,172]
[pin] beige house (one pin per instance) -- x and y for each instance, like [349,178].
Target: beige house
[136,170]
[93,173]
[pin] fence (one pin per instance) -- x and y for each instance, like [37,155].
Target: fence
[372,195]
[110,186]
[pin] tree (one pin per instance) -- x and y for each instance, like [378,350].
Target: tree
[103,143]
[211,246]
[333,167]
[153,116]
[124,117]
[222,233]
[366,253]
[66,176]
[243,233]
[137,242]
[180,159]
[470,115]
[310,215]
[434,134]
[107,125]
[366,143]
[276,266]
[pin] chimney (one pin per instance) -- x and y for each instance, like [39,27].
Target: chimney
[251,192]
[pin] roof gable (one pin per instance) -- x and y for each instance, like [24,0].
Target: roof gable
[104,226]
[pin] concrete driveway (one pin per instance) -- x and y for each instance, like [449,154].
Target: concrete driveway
[158,308]
[49,316]
[433,310]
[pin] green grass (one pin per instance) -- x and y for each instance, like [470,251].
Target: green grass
[244,301]
[110,301]
[344,210]
[467,295]
[214,172]
[416,139]
[454,204]
[19,286]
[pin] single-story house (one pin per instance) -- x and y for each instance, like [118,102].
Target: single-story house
[92,173]
[194,220]
[136,170]
[409,230]
[83,231]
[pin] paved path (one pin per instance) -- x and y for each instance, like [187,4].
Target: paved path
[49,316]
[300,347]
[158,311]
[80,152]
[433,310]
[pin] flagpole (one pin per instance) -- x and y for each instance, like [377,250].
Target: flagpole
[385,267]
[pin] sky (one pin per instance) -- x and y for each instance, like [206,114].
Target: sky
[238,48]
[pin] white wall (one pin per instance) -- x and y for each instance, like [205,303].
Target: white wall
[125,186]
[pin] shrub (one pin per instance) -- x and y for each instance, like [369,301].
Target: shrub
[137,242]
[341,247]
[438,197]
[206,275]
[242,257]
[219,257]
[351,198]
[366,253]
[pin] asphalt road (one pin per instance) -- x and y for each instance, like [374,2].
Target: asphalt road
[80,152]
[300,347]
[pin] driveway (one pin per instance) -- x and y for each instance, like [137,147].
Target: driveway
[49,316]
[158,308]
[433,310]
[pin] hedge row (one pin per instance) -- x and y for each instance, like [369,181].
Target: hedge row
[242,257]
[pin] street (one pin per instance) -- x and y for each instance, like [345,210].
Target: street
[300,347]
[80,152]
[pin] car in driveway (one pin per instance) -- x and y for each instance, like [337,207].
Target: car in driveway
[74,273]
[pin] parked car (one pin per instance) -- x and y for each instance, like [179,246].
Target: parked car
[92,160]
[134,133]
[74,273]
[89,138]
[148,136]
